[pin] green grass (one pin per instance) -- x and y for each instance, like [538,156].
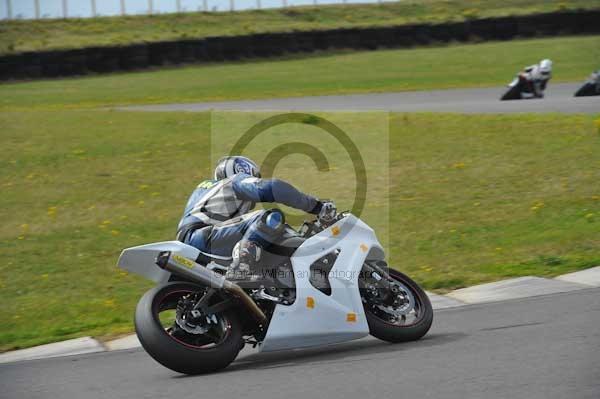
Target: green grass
[413,69]
[19,36]
[472,198]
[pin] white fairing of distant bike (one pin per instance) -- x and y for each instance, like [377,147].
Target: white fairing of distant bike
[316,318]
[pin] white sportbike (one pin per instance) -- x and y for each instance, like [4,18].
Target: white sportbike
[323,284]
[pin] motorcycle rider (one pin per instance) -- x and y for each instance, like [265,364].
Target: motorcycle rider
[595,79]
[217,218]
[537,76]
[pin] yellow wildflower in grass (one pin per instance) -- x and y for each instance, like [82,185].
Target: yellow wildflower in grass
[104,224]
[537,206]
[155,194]
[597,122]
[143,186]
[141,203]
[459,165]
[589,217]
[21,237]
[109,303]
[115,232]
[52,211]
[24,226]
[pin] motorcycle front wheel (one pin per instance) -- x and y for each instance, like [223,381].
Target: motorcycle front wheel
[402,324]
[513,93]
[587,89]
[203,346]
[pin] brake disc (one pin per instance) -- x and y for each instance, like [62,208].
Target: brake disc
[193,321]
[405,308]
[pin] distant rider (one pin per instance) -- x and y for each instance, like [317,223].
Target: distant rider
[595,80]
[217,219]
[537,76]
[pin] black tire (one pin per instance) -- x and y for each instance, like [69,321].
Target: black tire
[389,332]
[587,89]
[177,355]
[514,93]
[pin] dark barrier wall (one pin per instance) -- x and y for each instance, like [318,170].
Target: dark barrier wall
[139,56]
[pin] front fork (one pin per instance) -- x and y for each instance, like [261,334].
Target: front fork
[379,287]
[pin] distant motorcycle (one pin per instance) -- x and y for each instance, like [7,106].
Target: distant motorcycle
[520,88]
[591,87]
[330,284]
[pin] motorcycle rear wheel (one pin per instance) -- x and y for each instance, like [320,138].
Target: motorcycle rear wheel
[178,350]
[382,327]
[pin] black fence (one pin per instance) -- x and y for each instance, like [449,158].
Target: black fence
[48,64]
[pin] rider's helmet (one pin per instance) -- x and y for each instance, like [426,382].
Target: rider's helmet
[232,165]
[545,67]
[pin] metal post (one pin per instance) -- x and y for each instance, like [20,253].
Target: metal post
[8,9]
[123,10]
[258,5]
[178,5]
[231,5]
[65,8]
[150,7]
[94,10]
[37,9]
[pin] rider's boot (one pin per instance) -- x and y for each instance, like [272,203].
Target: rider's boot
[245,264]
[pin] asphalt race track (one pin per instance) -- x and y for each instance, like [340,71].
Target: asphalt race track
[542,347]
[558,98]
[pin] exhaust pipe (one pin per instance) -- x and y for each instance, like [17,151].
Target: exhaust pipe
[197,273]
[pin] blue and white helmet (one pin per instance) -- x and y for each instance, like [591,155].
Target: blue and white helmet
[232,165]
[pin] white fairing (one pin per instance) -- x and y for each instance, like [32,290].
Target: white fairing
[141,260]
[315,318]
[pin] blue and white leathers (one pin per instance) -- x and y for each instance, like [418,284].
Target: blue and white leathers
[225,204]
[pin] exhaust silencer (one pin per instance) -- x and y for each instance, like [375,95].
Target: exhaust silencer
[197,273]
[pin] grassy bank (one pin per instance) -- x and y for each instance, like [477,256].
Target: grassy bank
[472,199]
[392,70]
[19,36]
